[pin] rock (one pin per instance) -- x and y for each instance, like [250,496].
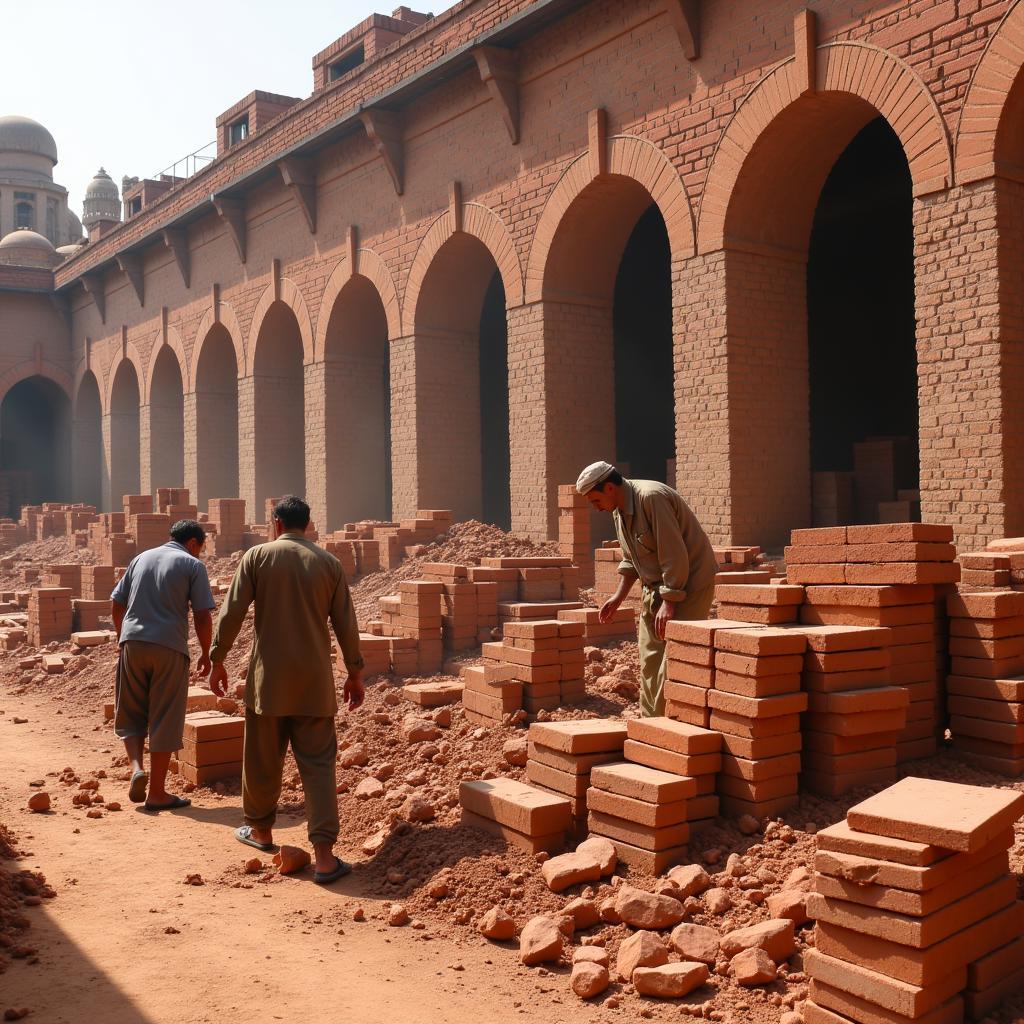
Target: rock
[718,901]
[398,915]
[589,979]
[641,949]
[396,877]
[569,869]
[227,706]
[690,879]
[753,967]
[194,879]
[712,856]
[798,878]
[290,859]
[354,756]
[602,850]
[393,698]
[372,844]
[253,866]
[540,941]
[591,954]
[641,909]
[696,942]
[735,866]
[565,923]
[442,717]
[791,1018]
[39,802]
[514,751]
[789,903]
[418,809]
[584,912]
[94,813]
[670,981]
[608,912]
[419,730]
[748,824]
[497,925]
[114,805]
[774,937]
[439,888]
[369,789]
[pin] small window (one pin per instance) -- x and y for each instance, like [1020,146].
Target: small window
[134,206]
[25,210]
[51,221]
[238,131]
[351,60]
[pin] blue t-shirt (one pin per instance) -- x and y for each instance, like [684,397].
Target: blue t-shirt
[157,589]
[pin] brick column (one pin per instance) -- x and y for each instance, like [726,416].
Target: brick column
[106,482]
[316,442]
[146,484]
[404,432]
[247,450]
[191,451]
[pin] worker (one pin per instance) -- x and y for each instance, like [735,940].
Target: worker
[665,548]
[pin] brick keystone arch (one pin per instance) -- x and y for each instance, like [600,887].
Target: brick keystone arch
[375,270]
[34,368]
[229,321]
[175,345]
[292,298]
[628,157]
[873,79]
[130,355]
[977,136]
[486,226]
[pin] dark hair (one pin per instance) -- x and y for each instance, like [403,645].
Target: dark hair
[185,530]
[614,477]
[292,512]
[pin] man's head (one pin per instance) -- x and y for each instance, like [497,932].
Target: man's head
[290,513]
[190,535]
[601,483]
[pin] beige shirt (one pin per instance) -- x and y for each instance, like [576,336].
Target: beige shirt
[662,543]
[297,587]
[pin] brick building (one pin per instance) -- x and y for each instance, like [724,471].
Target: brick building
[496,244]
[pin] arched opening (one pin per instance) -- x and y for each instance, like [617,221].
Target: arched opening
[216,418]
[35,445]
[358,406]
[88,432]
[462,384]
[124,434]
[166,423]
[278,398]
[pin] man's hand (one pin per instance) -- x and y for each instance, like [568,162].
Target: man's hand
[608,609]
[353,691]
[662,617]
[219,680]
[202,667]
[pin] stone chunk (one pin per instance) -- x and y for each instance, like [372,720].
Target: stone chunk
[774,937]
[602,850]
[753,967]
[589,979]
[39,802]
[696,942]
[540,941]
[497,925]
[670,981]
[570,869]
[641,909]
[789,903]
[591,954]
[641,949]
[691,879]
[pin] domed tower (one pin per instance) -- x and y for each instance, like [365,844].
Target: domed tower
[102,206]
[27,146]
[24,248]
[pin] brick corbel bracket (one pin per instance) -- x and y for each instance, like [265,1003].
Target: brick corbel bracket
[131,266]
[685,18]
[60,305]
[232,213]
[499,72]
[176,239]
[299,175]
[384,130]
[93,285]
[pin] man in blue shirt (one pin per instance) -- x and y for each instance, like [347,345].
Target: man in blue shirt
[150,607]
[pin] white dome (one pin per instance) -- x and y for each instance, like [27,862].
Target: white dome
[70,249]
[23,135]
[24,248]
[102,187]
[22,238]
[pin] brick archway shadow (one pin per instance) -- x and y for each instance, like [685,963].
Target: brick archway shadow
[286,291]
[173,342]
[36,368]
[129,355]
[225,316]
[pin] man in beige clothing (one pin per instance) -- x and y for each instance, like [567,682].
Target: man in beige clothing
[289,691]
[664,547]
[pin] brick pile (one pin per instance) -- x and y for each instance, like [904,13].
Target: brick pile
[420,619]
[462,625]
[916,907]
[227,515]
[690,668]
[212,747]
[985,688]
[168,498]
[622,624]
[607,559]
[87,615]
[766,604]
[490,692]
[574,533]
[49,615]
[533,819]
[97,581]
[742,563]
[881,468]
[562,755]
[395,539]
[905,509]
[69,576]
[150,530]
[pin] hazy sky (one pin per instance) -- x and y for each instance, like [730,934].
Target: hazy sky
[135,87]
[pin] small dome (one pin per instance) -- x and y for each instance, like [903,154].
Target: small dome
[22,238]
[102,200]
[69,250]
[102,187]
[23,135]
[24,248]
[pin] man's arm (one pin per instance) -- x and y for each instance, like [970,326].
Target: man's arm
[202,619]
[229,623]
[346,629]
[117,613]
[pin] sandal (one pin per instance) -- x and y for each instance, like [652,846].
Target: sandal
[137,789]
[244,835]
[176,804]
[340,870]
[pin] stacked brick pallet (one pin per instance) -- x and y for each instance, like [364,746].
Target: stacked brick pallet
[985,688]
[150,530]
[490,692]
[916,909]
[574,532]
[213,747]
[690,668]
[562,755]
[49,615]
[533,819]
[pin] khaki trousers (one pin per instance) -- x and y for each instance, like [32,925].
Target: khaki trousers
[315,746]
[652,650]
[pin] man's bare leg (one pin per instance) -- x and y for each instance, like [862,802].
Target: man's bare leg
[323,857]
[134,747]
[158,763]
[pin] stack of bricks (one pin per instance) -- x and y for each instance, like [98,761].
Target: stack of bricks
[544,585]
[228,515]
[765,604]
[690,668]
[490,692]
[404,653]
[742,564]
[681,749]
[150,530]
[136,504]
[533,819]
[574,532]
[69,576]
[420,619]
[97,581]
[460,618]
[759,718]
[832,502]
[394,539]
[985,688]
[881,467]
[376,652]
[905,509]
[855,717]
[168,498]
[621,625]
[49,615]
[916,908]
[86,615]
[213,747]
[344,552]
[988,570]
[561,756]
[546,656]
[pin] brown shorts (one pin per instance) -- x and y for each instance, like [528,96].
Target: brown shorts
[150,694]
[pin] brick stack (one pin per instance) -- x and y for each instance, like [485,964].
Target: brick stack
[117,549]
[136,504]
[916,908]
[760,734]
[97,582]
[150,530]
[742,563]
[504,581]
[987,570]
[622,624]
[87,615]
[855,717]
[490,692]
[49,615]
[213,747]
[69,576]
[533,819]
[228,514]
[460,621]
[832,501]
[881,467]
[682,749]
[168,497]
[985,688]
[762,603]
[561,756]
[404,653]
[574,532]
[690,668]
[376,652]
[345,552]
[905,509]
[420,618]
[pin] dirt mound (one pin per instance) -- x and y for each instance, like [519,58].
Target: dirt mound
[19,890]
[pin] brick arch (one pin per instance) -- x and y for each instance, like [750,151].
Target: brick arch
[994,92]
[76,387]
[175,345]
[487,227]
[628,157]
[35,368]
[779,135]
[288,292]
[129,355]
[229,321]
[375,270]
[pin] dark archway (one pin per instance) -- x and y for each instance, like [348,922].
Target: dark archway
[124,434]
[166,423]
[216,418]
[88,436]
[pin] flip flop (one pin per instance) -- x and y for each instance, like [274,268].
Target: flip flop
[137,789]
[340,870]
[176,804]
[244,835]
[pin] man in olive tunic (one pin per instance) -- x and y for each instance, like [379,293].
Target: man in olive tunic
[664,547]
[289,691]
